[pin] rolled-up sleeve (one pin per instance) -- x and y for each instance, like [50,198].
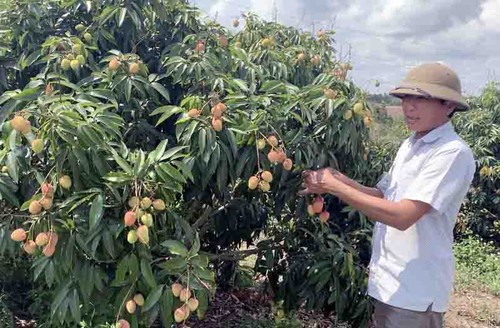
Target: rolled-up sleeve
[384,182]
[444,177]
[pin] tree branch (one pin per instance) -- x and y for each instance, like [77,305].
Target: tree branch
[239,255]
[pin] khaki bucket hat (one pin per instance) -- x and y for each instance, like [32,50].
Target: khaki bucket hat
[433,80]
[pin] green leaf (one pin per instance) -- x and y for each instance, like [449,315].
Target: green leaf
[12,166]
[175,247]
[242,85]
[50,274]
[202,140]
[173,266]
[8,194]
[121,162]
[118,177]
[128,89]
[166,307]
[58,299]
[96,211]
[204,274]
[27,94]
[166,112]
[39,266]
[200,261]
[161,89]
[123,13]
[156,154]
[74,306]
[140,164]
[172,151]
[68,85]
[152,298]
[196,246]
[172,172]
[147,273]
[203,303]
[133,265]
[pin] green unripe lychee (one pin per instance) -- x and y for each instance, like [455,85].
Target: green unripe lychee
[65,64]
[75,64]
[132,237]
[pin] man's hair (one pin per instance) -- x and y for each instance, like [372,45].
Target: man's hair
[447,103]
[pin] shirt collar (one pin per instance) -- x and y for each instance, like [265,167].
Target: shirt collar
[435,134]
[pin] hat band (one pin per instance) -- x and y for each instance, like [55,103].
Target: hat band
[417,89]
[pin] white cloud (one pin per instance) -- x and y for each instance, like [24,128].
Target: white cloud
[384,37]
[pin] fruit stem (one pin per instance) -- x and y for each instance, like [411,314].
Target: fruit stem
[257,149]
[282,141]
[125,300]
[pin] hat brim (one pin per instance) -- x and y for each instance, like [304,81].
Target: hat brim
[432,90]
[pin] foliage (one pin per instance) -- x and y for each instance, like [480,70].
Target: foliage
[106,88]
[480,128]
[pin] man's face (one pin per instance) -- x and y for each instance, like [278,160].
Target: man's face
[424,114]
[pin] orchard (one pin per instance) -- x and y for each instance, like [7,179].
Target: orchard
[142,146]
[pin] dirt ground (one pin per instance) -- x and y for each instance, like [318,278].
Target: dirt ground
[473,309]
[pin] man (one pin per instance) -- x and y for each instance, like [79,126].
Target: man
[414,205]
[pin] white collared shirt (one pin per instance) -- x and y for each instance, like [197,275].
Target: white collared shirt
[414,269]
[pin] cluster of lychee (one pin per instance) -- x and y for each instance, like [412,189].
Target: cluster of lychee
[358,109]
[321,34]
[45,202]
[82,29]
[22,125]
[267,42]
[316,60]
[340,71]
[133,67]
[217,111]
[132,304]
[276,155]
[140,218]
[46,240]
[74,59]
[262,180]
[317,207]
[200,46]
[190,304]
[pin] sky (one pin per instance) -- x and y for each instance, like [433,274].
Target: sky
[385,38]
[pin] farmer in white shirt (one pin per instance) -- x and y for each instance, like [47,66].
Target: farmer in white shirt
[414,205]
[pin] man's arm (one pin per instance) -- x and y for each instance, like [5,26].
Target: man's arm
[400,215]
[375,192]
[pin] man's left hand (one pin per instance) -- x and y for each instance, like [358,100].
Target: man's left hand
[321,181]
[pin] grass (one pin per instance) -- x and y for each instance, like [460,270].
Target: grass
[476,299]
[477,266]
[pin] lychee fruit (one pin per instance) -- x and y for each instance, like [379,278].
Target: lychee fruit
[29,247]
[130,306]
[143,234]
[65,182]
[129,218]
[134,68]
[114,64]
[253,182]
[159,205]
[35,207]
[18,234]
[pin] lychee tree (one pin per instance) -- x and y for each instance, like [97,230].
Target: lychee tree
[141,145]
